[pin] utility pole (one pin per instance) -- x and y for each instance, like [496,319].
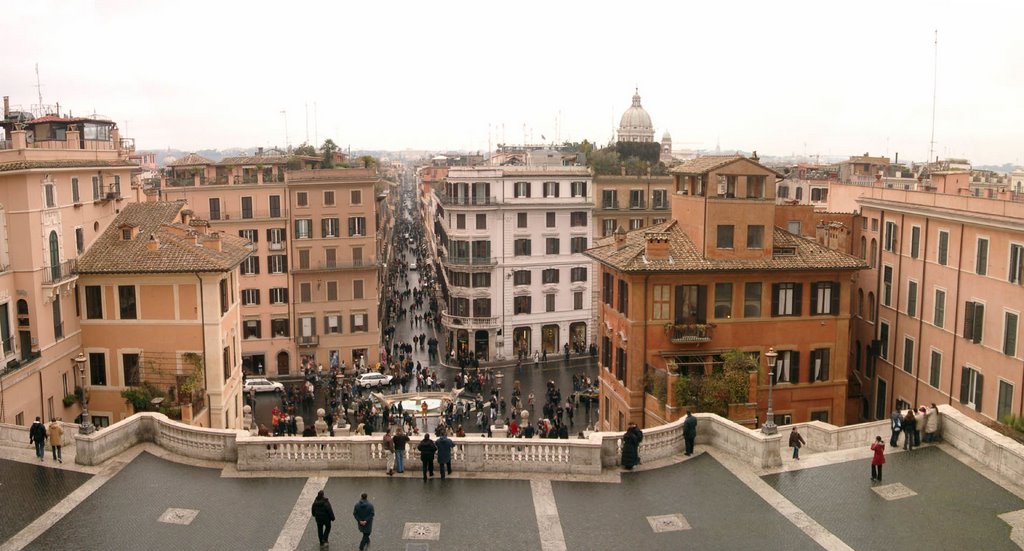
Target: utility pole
[39,90]
[935,87]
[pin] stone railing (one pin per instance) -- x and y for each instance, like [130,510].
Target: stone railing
[823,437]
[1001,453]
[179,438]
[16,436]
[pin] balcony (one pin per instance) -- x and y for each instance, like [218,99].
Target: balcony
[468,201]
[250,214]
[680,333]
[610,205]
[470,260]
[328,266]
[307,340]
[60,272]
[465,322]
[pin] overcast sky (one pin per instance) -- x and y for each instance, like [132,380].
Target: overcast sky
[830,78]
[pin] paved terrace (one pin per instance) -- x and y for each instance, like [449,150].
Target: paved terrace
[960,494]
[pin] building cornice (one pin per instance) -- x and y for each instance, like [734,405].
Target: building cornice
[951,215]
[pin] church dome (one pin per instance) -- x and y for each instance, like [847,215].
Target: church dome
[635,124]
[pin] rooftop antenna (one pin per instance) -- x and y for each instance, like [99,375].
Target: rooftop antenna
[935,76]
[316,128]
[39,88]
[287,144]
[305,106]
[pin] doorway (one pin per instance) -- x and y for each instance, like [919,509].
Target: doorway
[482,341]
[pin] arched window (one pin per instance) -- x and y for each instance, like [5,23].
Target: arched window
[874,253]
[799,193]
[871,306]
[860,302]
[863,248]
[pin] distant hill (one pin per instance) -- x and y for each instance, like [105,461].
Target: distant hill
[1005,167]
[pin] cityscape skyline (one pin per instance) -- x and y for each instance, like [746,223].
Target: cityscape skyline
[380,86]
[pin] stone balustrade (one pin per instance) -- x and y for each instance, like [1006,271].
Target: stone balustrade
[16,436]
[823,437]
[179,438]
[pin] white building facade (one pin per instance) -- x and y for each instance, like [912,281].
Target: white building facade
[511,242]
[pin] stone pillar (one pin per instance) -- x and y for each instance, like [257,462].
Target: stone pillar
[320,424]
[300,425]
[247,420]
[499,431]
[18,139]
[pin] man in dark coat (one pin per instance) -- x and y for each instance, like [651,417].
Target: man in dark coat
[444,454]
[363,513]
[631,446]
[323,513]
[427,449]
[689,432]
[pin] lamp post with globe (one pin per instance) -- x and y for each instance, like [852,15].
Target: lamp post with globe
[769,423]
[86,427]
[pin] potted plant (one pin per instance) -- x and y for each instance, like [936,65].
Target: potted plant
[69,400]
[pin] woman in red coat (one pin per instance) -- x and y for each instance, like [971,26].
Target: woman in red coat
[878,460]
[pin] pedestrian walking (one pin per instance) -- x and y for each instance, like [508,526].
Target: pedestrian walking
[37,436]
[909,430]
[444,454]
[631,446]
[56,433]
[796,441]
[363,513]
[689,431]
[878,459]
[389,452]
[427,449]
[323,513]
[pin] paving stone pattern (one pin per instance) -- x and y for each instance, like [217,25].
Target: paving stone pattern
[955,507]
[721,511]
[27,490]
[124,513]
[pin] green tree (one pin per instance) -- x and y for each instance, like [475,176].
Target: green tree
[712,392]
[304,149]
[604,162]
[328,150]
[368,161]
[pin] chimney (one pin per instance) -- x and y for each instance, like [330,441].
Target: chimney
[153,243]
[212,241]
[620,238]
[7,107]
[656,247]
[186,216]
[259,151]
[754,157]
[622,167]
[897,158]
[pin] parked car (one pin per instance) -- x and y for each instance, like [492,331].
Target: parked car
[413,265]
[260,384]
[373,379]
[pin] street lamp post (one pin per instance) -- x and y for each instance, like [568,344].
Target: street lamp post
[769,423]
[86,427]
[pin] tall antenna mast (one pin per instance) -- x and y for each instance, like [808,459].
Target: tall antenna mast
[39,88]
[935,87]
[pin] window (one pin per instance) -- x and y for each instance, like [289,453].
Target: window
[117,185]
[1016,264]
[659,199]
[636,223]
[752,299]
[276,236]
[75,195]
[279,327]
[819,194]
[691,304]
[662,302]
[908,354]
[912,299]
[577,245]
[971,382]
[93,302]
[799,193]
[250,235]
[521,304]
[277,263]
[871,306]
[305,292]
[224,298]
[623,297]
[356,197]
[521,277]
[251,329]
[793,226]
[250,266]
[49,195]
[577,300]
[607,287]
[755,237]
[609,199]
[522,189]
[550,189]
[1004,406]
[332,290]
[303,259]
[357,289]
[974,321]
[332,324]
[783,192]
[825,298]
[481,221]
[79,240]
[636,199]
[981,264]
[915,241]
[725,232]
[939,315]
[935,368]
[521,220]
[549,219]
[578,189]
[329,227]
[459,279]
[250,297]
[883,340]
[551,245]
[577,274]
[126,301]
[460,221]
[328,198]
[787,366]
[521,247]
[301,199]
[278,295]
[943,256]
[58,322]
[275,206]
[887,285]
[98,368]
[608,227]
[214,208]
[549,275]
[723,300]
[786,299]
[549,302]
[889,241]
[246,207]
[1010,334]
[620,367]
[303,228]
[97,184]
[819,364]
[578,219]
[357,226]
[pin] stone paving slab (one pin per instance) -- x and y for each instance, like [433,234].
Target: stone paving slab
[473,514]
[125,512]
[721,512]
[30,489]
[954,506]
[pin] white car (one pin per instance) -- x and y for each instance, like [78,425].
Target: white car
[413,265]
[260,384]
[373,379]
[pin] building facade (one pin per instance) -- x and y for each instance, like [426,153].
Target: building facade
[511,242]
[630,202]
[635,124]
[716,277]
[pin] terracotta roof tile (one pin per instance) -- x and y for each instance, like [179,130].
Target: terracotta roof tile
[179,250]
[63,163]
[191,160]
[792,253]
[255,160]
[707,163]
